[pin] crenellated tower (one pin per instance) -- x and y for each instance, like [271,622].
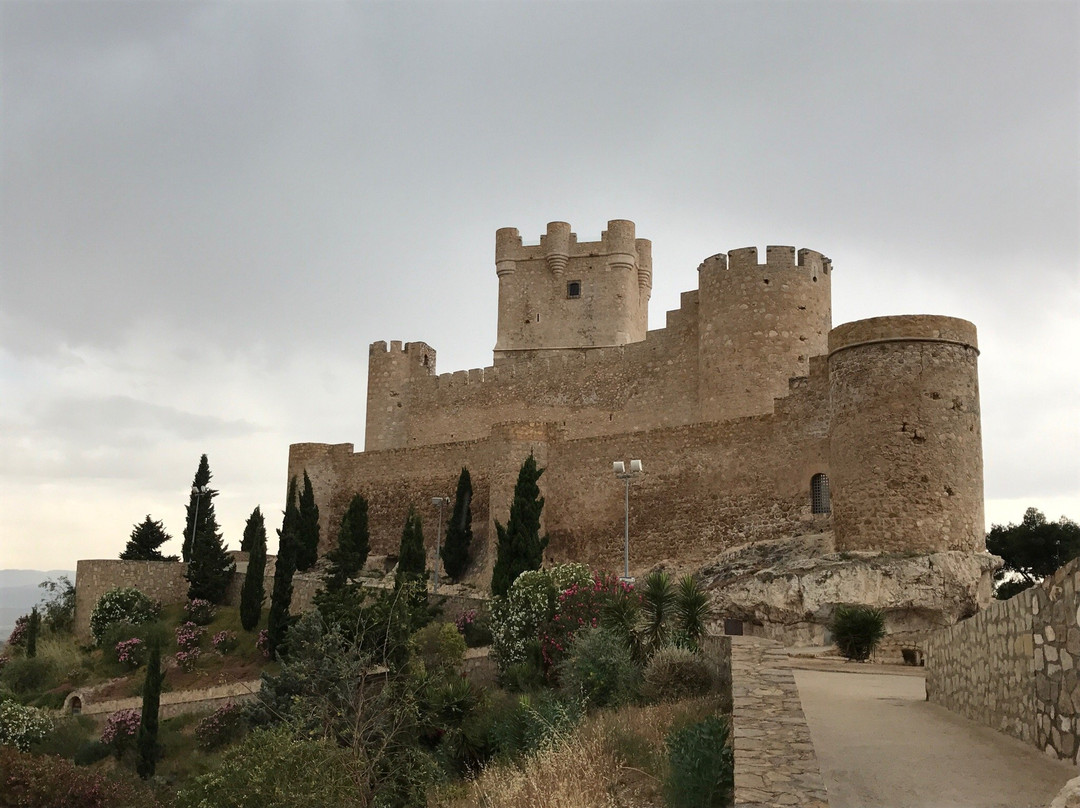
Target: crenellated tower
[391,372]
[759,324]
[562,294]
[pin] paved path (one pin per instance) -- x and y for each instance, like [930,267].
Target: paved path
[881,745]
[774,756]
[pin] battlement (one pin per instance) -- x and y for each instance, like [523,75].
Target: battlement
[776,257]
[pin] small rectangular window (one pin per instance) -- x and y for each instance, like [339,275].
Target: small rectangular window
[573,289]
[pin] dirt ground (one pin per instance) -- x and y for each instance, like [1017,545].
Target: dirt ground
[880,744]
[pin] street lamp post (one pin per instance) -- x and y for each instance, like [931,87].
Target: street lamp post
[619,467]
[440,503]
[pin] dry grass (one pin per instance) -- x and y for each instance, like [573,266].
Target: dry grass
[615,759]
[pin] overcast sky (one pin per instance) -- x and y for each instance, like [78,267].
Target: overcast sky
[210,210]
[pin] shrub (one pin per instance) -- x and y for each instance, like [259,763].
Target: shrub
[576,607]
[857,630]
[121,604]
[200,612]
[120,730]
[600,669]
[475,627]
[530,722]
[17,638]
[68,736]
[673,674]
[225,642]
[440,647]
[91,752]
[189,636]
[42,781]
[263,643]
[130,653]
[187,660]
[701,766]
[223,726]
[25,675]
[21,726]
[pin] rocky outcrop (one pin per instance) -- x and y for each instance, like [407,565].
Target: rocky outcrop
[789,589]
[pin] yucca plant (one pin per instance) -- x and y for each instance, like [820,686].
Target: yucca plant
[657,608]
[691,610]
[857,630]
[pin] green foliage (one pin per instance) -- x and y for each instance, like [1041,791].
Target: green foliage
[412,559]
[307,528]
[25,676]
[32,629]
[857,630]
[274,769]
[455,550]
[210,568]
[516,619]
[125,604]
[145,541]
[1032,550]
[691,610]
[58,604]
[701,766]
[222,727]
[69,735]
[278,621]
[42,781]
[520,546]
[350,555]
[146,742]
[440,647]
[195,506]
[22,726]
[530,722]
[252,594]
[599,669]
[673,674]
[657,609]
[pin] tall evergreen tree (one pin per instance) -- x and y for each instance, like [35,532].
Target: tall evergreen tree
[455,550]
[412,559]
[348,558]
[196,502]
[307,547]
[520,546]
[278,620]
[210,568]
[145,540]
[146,742]
[32,628]
[253,592]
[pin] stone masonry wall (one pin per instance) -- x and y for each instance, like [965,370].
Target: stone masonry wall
[1013,666]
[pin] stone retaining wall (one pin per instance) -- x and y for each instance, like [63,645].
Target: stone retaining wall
[202,700]
[1013,666]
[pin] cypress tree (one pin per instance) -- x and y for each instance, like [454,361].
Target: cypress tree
[210,568]
[146,741]
[253,592]
[145,540]
[32,627]
[412,559]
[278,620]
[348,558]
[455,550]
[195,505]
[520,546]
[307,546]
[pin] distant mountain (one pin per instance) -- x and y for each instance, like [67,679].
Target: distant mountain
[19,593]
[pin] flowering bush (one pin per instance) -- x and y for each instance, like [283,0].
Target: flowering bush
[18,634]
[475,627]
[263,643]
[465,619]
[200,612]
[516,620]
[39,780]
[4,659]
[186,660]
[225,642]
[131,652]
[21,726]
[189,636]
[127,604]
[120,730]
[221,727]
[577,607]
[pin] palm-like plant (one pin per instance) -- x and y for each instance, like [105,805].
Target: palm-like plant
[657,608]
[691,609]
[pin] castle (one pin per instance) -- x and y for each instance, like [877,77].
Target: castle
[755,418]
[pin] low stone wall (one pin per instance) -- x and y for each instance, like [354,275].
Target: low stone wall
[1014,666]
[179,702]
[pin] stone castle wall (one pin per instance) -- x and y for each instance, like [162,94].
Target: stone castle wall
[1015,667]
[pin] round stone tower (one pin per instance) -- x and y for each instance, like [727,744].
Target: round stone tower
[905,437]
